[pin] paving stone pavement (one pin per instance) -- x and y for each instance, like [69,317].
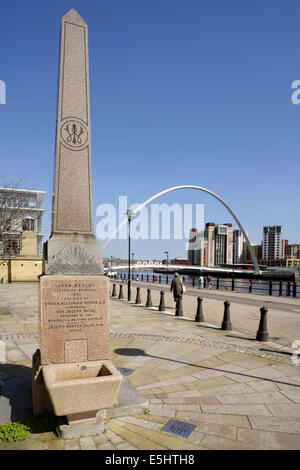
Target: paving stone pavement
[238,393]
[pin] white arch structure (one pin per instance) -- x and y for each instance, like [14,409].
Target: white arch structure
[199,188]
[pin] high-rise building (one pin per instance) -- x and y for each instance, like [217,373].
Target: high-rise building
[193,252]
[284,244]
[196,248]
[292,251]
[212,249]
[209,246]
[271,243]
[218,243]
[239,242]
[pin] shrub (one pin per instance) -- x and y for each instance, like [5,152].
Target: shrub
[13,431]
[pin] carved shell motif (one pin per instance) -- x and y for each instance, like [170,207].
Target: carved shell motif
[74,255]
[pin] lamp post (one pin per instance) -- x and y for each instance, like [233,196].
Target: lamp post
[129,214]
[167,253]
[132,254]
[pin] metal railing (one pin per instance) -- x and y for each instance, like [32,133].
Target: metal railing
[267,287]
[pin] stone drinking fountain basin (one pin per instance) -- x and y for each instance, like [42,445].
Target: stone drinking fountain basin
[82,387]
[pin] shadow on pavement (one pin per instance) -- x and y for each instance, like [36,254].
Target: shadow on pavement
[141,352]
[16,393]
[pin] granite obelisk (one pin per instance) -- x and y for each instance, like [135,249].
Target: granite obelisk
[72,373]
[72,208]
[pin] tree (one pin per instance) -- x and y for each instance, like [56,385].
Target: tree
[14,203]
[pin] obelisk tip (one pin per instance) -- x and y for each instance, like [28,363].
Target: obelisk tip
[74,17]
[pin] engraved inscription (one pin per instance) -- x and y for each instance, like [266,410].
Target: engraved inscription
[74,310]
[74,318]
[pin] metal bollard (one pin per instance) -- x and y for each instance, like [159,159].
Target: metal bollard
[129,290]
[199,315]
[179,311]
[280,288]
[218,283]
[121,292]
[295,289]
[113,294]
[149,300]
[250,286]
[288,289]
[159,279]
[226,324]
[262,333]
[232,284]
[270,287]
[138,296]
[162,307]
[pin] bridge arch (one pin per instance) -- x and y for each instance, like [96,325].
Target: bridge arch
[199,188]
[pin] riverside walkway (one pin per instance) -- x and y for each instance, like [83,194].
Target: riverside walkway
[228,390]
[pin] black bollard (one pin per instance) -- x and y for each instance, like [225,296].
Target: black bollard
[232,284]
[199,315]
[138,296]
[218,283]
[179,311]
[226,324]
[129,290]
[159,279]
[270,287]
[114,291]
[288,289]
[280,288]
[121,292]
[250,286]
[295,289]
[149,300]
[262,333]
[162,307]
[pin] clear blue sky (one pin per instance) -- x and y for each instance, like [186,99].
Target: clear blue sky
[182,92]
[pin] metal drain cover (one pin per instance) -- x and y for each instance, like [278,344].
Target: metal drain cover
[125,371]
[180,428]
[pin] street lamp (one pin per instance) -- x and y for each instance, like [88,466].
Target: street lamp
[167,253]
[132,254]
[129,214]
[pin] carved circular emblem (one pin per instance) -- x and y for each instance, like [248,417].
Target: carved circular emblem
[74,133]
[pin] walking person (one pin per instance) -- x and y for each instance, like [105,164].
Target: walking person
[177,287]
[201,282]
[208,282]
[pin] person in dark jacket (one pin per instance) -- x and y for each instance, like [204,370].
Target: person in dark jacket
[176,287]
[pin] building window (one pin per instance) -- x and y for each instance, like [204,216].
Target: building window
[11,245]
[28,224]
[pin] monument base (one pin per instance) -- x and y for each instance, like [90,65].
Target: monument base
[130,401]
[73,253]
